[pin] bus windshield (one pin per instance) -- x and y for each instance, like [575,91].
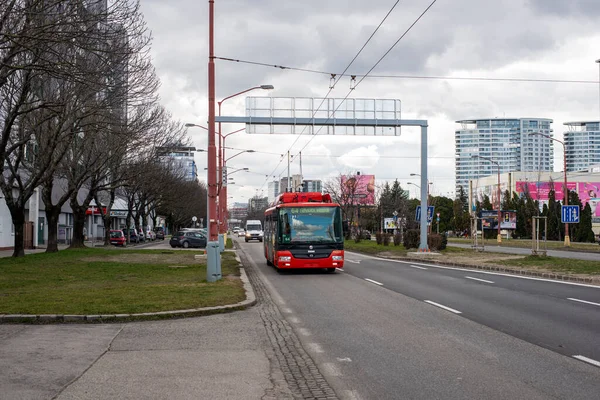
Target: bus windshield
[310,224]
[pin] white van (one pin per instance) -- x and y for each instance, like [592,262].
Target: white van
[254,230]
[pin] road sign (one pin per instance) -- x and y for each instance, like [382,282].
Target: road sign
[570,214]
[194,219]
[429,213]
[395,213]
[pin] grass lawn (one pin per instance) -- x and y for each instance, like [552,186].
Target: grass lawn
[526,243]
[555,264]
[109,281]
[371,247]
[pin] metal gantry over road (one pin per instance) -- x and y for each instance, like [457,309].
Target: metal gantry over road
[370,117]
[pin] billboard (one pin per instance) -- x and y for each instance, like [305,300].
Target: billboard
[541,190]
[490,219]
[589,193]
[389,223]
[358,189]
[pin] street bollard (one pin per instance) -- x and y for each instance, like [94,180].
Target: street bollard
[221,242]
[213,262]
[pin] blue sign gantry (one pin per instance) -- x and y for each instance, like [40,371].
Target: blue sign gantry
[570,214]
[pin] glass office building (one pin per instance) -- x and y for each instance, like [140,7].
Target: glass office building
[582,143]
[510,142]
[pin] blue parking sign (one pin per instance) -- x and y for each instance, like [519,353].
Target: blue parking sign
[570,214]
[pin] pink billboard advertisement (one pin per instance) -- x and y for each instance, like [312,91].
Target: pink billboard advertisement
[541,190]
[359,189]
[589,192]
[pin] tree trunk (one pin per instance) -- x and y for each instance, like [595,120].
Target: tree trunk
[52,214]
[78,239]
[18,220]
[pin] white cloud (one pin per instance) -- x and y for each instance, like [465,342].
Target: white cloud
[464,38]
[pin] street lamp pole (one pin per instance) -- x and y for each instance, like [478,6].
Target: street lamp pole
[222,166]
[498,195]
[567,242]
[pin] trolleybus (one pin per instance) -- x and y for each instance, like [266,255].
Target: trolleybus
[304,230]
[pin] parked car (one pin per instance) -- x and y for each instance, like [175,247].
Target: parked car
[150,235]
[366,234]
[141,235]
[160,233]
[133,235]
[117,238]
[187,239]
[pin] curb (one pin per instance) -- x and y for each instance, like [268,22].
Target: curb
[108,318]
[513,271]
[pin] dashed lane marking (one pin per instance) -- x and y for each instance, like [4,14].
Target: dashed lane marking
[442,306]
[584,301]
[588,360]
[477,279]
[375,282]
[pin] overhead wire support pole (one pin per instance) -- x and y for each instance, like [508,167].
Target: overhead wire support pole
[213,267]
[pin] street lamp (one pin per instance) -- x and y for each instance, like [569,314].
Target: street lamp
[565,190]
[223,193]
[499,238]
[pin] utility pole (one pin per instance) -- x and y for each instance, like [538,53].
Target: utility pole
[301,176]
[289,183]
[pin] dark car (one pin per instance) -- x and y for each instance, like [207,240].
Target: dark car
[187,239]
[160,233]
[366,235]
[133,236]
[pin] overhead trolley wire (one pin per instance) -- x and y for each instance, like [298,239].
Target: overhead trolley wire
[333,86]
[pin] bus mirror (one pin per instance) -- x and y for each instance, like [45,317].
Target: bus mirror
[345,227]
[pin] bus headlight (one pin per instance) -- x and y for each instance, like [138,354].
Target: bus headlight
[338,258]
[285,259]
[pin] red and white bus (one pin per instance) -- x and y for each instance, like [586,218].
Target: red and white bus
[304,230]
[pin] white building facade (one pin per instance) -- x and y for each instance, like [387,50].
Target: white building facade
[272,191]
[582,144]
[511,142]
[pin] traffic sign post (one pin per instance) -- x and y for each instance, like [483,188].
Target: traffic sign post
[569,214]
[430,210]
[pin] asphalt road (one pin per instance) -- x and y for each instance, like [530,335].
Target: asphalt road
[578,255]
[378,330]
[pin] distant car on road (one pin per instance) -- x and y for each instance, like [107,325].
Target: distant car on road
[187,239]
[117,238]
[241,233]
[160,233]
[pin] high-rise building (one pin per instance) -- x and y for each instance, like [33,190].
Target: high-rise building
[272,191]
[180,159]
[312,185]
[582,145]
[296,183]
[507,141]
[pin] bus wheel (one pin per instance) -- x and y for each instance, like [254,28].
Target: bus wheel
[269,263]
[330,270]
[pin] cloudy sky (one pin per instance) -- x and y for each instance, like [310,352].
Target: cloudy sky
[526,39]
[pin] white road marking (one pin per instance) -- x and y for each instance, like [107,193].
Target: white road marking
[471,270]
[315,347]
[375,282]
[477,279]
[287,310]
[444,307]
[588,360]
[584,301]
[417,267]
[294,320]
[331,369]
[353,261]
[345,359]
[304,331]
[340,269]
